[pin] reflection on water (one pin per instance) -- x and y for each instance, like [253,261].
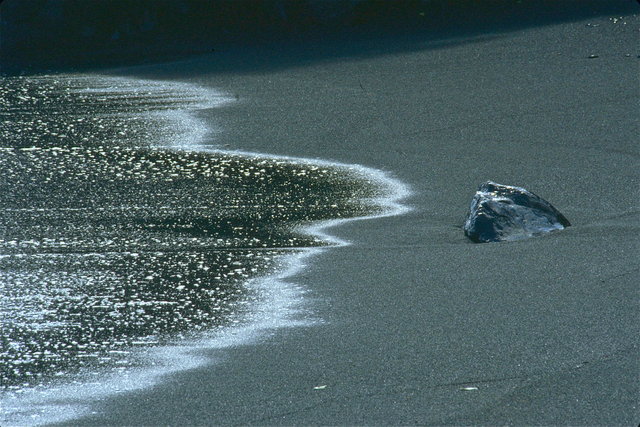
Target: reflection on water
[89,111]
[108,243]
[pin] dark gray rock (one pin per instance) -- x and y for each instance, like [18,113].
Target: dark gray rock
[503,213]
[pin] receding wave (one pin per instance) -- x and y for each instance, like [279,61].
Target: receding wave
[111,241]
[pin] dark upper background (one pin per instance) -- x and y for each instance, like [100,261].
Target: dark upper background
[39,35]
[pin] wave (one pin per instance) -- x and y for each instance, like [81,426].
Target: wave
[127,245]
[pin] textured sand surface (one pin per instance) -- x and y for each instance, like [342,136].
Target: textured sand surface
[422,326]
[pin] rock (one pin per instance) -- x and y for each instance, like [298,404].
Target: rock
[503,213]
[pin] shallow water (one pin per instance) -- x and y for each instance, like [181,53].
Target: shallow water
[111,240]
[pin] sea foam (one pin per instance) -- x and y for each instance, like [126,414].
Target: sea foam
[167,123]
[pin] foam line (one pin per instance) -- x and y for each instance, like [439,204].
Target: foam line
[280,302]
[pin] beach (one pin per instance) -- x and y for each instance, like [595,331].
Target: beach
[418,324]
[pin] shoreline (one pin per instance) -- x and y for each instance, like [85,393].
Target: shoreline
[422,326]
[277,302]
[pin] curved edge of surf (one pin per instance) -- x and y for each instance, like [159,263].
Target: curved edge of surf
[280,302]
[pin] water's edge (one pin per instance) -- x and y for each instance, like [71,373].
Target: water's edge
[280,302]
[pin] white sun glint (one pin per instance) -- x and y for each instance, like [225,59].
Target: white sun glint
[278,301]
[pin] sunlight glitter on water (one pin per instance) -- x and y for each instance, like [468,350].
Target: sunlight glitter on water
[118,257]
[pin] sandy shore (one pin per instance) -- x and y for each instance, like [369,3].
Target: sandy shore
[542,331]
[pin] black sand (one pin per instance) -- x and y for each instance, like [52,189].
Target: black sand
[546,329]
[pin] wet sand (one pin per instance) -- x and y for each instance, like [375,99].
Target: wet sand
[420,326]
